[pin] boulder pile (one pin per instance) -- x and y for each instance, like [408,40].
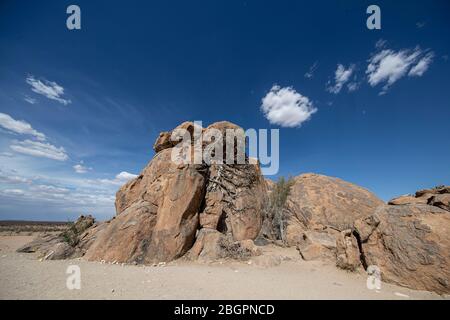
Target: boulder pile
[212,210]
[408,239]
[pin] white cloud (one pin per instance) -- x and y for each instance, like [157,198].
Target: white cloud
[13,192]
[59,196]
[312,69]
[286,107]
[388,66]
[341,77]
[10,178]
[30,100]
[353,86]
[80,168]
[125,176]
[19,127]
[380,44]
[120,179]
[40,149]
[422,66]
[48,89]
[420,24]
[6,154]
[49,189]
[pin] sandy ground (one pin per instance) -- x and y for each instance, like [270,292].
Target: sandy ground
[22,276]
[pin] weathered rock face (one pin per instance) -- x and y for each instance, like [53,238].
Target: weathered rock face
[318,202]
[177,217]
[348,256]
[438,197]
[63,245]
[165,141]
[212,245]
[160,211]
[149,184]
[314,245]
[124,238]
[410,244]
[235,198]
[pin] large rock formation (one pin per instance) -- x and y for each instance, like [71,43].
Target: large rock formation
[210,210]
[317,202]
[409,243]
[170,205]
[316,213]
[317,209]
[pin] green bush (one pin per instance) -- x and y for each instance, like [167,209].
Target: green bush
[277,202]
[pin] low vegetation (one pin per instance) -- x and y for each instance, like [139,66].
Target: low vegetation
[29,227]
[276,213]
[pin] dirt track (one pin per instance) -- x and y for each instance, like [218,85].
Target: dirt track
[22,276]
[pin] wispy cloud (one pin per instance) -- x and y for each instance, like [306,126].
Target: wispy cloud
[60,194]
[30,100]
[11,178]
[341,77]
[120,179]
[312,69]
[286,107]
[388,66]
[422,66]
[6,154]
[353,86]
[19,127]
[40,149]
[48,89]
[37,148]
[381,43]
[420,24]
[81,168]
[13,192]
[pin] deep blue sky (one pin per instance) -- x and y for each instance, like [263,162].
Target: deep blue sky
[140,67]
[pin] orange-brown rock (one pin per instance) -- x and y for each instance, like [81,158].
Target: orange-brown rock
[160,211]
[441,201]
[318,202]
[407,199]
[439,197]
[348,256]
[149,184]
[212,245]
[410,244]
[124,238]
[166,141]
[177,216]
[243,195]
[314,245]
